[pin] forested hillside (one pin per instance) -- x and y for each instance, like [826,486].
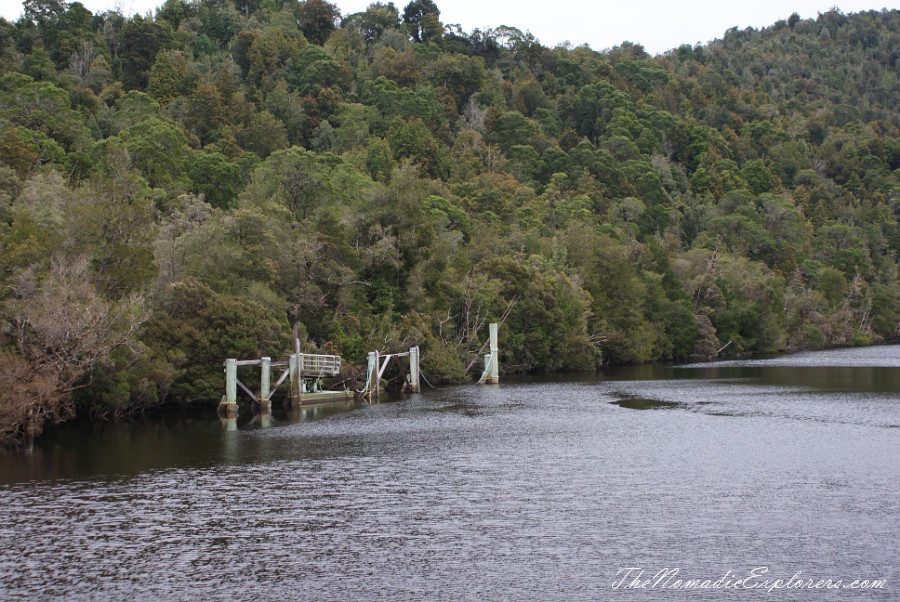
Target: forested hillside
[210,181]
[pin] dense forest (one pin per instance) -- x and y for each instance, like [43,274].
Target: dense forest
[224,175]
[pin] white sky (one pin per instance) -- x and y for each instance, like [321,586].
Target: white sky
[658,25]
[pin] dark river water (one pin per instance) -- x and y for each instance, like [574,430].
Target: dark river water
[727,481]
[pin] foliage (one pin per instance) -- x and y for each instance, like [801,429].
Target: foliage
[58,328]
[256,168]
[200,328]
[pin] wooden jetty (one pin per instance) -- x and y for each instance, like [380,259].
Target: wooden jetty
[377,364]
[304,372]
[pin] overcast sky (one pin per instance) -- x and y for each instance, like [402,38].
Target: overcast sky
[658,25]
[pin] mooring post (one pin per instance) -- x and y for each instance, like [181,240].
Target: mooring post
[414,386]
[300,367]
[377,379]
[231,381]
[494,376]
[491,374]
[294,371]
[230,401]
[372,376]
[265,384]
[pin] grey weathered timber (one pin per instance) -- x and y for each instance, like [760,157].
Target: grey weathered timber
[414,385]
[376,366]
[228,405]
[313,367]
[230,381]
[320,365]
[296,385]
[491,375]
[372,376]
[265,383]
[298,366]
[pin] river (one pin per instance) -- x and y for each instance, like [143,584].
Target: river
[731,480]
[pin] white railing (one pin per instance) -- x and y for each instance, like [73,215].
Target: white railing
[316,365]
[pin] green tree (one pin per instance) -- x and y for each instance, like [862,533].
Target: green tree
[158,150]
[293,178]
[412,140]
[458,75]
[374,21]
[317,19]
[163,85]
[203,113]
[264,134]
[38,65]
[422,20]
[216,178]
[758,177]
[379,159]
[268,52]
[141,41]
[113,221]
[201,328]
[511,127]
[44,108]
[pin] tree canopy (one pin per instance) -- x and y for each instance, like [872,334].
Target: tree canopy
[216,176]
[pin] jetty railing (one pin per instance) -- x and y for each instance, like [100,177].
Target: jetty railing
[314,366]
[298,366]
[376,366]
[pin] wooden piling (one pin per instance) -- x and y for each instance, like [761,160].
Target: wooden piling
[228,405]
[265,384]
[372,376]
[491,374]
[376,378]
[231,381]
[414,384]
[494,375]
[296,384]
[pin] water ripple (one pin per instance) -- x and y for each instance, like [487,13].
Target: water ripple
[518,492]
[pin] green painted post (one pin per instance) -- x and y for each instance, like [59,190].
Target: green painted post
[293,368]
[228,406]
[372,376]
[491,374]
[376,381]
[231,381]
[495,355]
[414,385]
[265,383]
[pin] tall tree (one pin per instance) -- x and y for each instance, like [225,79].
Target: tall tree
[317,19]
[141,41]
[422,20]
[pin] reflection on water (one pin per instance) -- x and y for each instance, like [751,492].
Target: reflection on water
[533,489]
